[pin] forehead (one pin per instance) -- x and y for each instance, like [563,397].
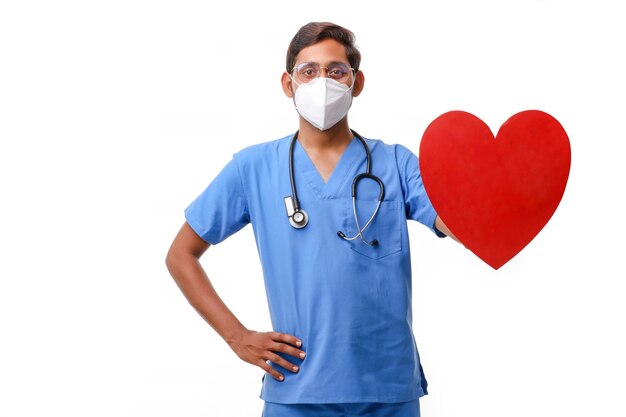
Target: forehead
[323,52]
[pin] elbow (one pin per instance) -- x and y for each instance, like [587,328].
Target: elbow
[178,257]
[187,246]
[171,260]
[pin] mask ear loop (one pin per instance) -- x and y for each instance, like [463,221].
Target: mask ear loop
[293,92]
[294,80]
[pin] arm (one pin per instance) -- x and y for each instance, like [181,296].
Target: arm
[183,263]
[440,225]
[418,205]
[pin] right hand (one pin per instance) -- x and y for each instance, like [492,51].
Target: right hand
[257,348]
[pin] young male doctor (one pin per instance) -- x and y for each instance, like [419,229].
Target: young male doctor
[337,269]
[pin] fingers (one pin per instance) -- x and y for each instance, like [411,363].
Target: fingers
[283,343]
[273,372]
[279,360]
[286,345]
[286,338]
[259,348]
[284,348]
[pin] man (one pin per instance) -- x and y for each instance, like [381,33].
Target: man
[338,282]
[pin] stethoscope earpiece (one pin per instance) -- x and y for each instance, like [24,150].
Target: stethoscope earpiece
[298,217]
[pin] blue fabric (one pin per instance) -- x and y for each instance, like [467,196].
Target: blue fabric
[349,303]
[403,409]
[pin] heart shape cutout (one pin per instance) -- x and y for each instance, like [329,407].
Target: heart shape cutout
[495,194]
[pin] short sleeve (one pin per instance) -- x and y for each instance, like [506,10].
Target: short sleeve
[221,209]
[417,203]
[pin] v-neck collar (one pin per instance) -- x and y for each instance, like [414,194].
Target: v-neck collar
[338,178]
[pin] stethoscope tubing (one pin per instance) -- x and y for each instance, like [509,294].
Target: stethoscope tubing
[297,210]
[368,170]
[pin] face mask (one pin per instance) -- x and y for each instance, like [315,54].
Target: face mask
[323,102]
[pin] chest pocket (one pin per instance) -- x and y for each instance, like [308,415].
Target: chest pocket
[386,227]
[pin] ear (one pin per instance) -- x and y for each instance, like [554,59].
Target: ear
[359,83]
[285,81]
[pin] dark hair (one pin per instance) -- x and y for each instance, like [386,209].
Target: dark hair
[314,32]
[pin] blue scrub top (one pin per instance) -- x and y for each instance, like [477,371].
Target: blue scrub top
[348,302]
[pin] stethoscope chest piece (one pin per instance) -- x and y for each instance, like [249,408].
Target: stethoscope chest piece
[297,217]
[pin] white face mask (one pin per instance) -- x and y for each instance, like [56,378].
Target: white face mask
[323,102]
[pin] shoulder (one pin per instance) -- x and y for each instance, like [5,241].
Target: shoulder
[263,151]
[390,151]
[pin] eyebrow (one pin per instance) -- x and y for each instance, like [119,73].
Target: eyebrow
[329,64]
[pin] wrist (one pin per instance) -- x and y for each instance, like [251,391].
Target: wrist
[235,334]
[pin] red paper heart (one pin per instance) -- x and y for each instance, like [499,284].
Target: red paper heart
[495,194]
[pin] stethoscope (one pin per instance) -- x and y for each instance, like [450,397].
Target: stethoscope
[298,218]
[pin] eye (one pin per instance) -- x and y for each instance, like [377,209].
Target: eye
[338,71]
[308,71]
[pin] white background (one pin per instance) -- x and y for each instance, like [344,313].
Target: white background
[115,115]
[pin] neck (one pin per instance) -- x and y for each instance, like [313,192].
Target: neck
[337,136]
